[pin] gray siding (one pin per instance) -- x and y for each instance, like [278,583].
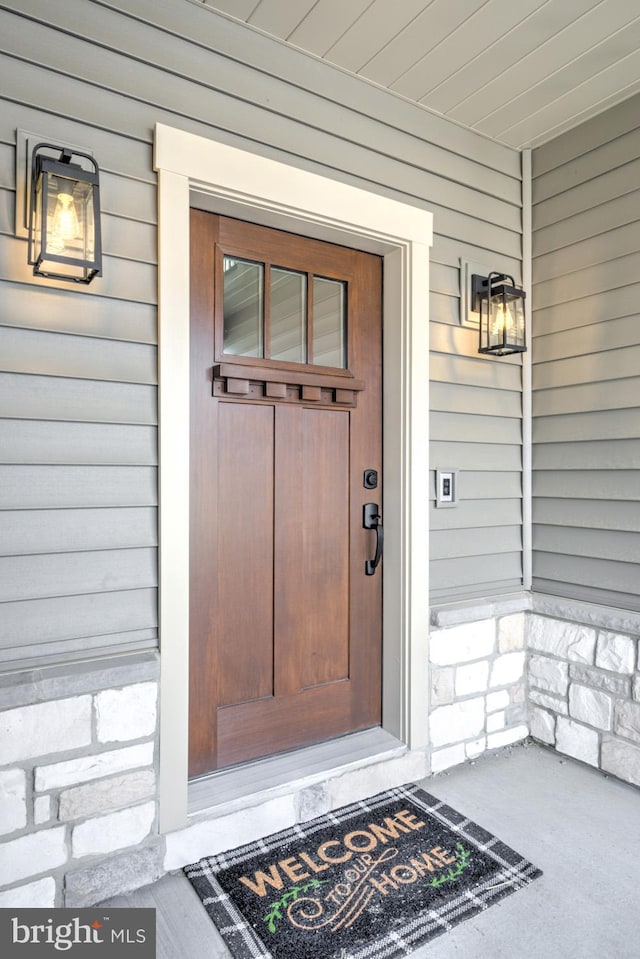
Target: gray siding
[476,427]
[586,356]
[78,366]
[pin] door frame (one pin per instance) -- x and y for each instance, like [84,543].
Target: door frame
[238,183]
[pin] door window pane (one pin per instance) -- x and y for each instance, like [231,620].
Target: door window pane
[243,307]
[329,327]
[288,316]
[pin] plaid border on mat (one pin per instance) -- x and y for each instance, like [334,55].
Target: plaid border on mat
[514,873]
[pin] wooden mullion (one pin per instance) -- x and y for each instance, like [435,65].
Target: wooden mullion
[309,317]
[266,314]
[218,302]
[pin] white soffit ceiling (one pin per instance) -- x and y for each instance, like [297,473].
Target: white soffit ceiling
[519,71]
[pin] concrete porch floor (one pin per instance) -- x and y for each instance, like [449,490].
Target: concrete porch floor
[581,828]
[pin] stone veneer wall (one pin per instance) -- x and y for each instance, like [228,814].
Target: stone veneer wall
[78,746]
[584,693]
[573,683]
[478,696]
[78,783]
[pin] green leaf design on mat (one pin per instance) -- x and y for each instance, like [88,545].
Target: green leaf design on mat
[455,871]
[275,909]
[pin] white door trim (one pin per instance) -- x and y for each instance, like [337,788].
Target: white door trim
[238,183]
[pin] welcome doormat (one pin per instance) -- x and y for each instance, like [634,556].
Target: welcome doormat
[375,879]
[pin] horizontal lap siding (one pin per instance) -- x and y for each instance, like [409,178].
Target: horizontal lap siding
[586,361]
[78,367]
[476,428]
[78,380]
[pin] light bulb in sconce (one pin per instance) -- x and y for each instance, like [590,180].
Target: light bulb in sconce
[502,318]
[64,223]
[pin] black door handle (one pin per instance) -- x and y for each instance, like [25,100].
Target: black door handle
[371,520]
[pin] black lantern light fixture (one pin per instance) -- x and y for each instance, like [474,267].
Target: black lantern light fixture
[501,306]
[64,215]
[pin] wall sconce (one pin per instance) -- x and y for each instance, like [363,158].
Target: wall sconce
[501,308]
[64,216]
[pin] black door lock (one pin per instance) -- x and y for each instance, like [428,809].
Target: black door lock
[370,479]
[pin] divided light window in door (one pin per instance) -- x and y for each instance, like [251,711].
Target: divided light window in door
[285,315]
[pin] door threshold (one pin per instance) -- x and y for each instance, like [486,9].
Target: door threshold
[229,790]
[239,805]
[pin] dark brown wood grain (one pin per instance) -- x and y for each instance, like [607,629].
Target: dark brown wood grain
[244,561]
[203,658]
[285,645]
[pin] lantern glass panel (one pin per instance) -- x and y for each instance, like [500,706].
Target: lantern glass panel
[38,226]
[64,217]
[70,220]
[516,333]
[502,322]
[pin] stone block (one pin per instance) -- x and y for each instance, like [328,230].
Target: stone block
[357,784]
[621,759]
[125,714]
[496,721]
[636,686]
[31,731]
[517,713]
[590,676]
[507,737]
[85,768]
[496,701]
[115,875]
[518,694]
[442,679]
[80,802]
[32,854]
[627,720]
[42,811]
[616,653]
[549,702]
[462,644]
[577,741]
[551,675]
[212,836]
[475,748]
[446,758]
[542,725]
[589,613]
[37,685]
[558,638]
[590,706]
[113,832]
[452,724]
[472,678]
[13,802]
[40,894]
[511,633]
[313,801]
[507,669]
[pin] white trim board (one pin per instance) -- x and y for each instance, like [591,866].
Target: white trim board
[527,375]
[238,183]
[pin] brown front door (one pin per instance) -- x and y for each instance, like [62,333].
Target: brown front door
[285,632]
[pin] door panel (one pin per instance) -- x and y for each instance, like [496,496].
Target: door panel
[285,639]
[245,581]
[325,545]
